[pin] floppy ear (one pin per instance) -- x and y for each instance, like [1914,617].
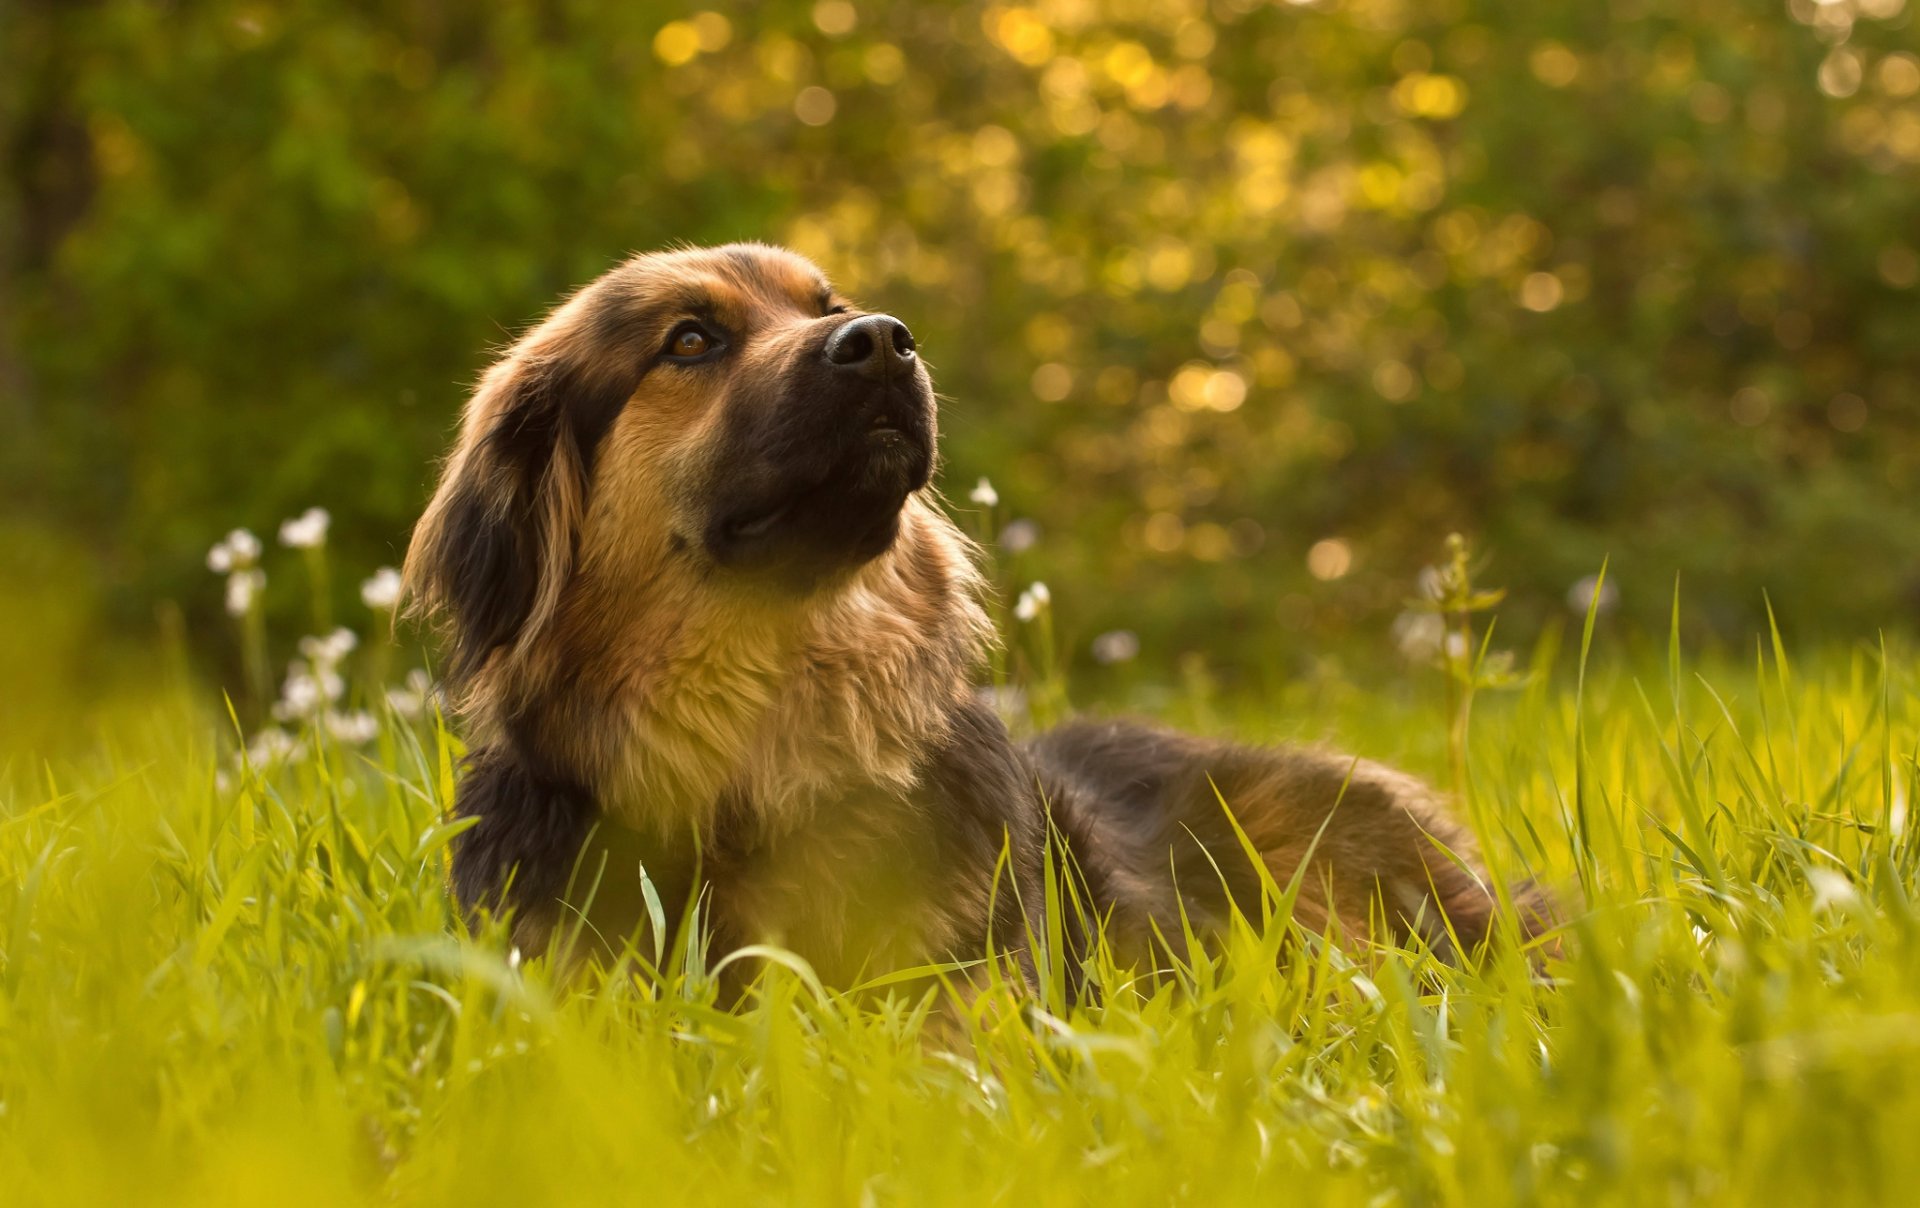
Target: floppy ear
[495,547]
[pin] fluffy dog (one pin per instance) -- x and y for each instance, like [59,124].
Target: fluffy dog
[699,601]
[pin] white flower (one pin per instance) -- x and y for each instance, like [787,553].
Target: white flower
[1432,584]
[1032,601]
[1116,646]
[236,551]
[411,700]
[381,592]
[299,696]
[308,530]
[270,746]
[242,587]
[1009,702]
[1019,536]
[1417,635]
[327,652]
[356,728]
[1582,594]
[245,546]
[984,494]
[309,687]
[1831,889]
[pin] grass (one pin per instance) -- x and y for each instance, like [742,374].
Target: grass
[255,992]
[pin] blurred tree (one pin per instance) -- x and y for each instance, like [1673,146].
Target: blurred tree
[1256,279]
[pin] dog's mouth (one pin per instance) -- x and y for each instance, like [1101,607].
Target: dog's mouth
[816,484]
[879,467]
[841,520]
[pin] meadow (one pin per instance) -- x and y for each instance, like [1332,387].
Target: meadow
[230,978]
[1241,304]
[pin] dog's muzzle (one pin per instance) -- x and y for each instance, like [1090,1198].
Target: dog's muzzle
[825,472]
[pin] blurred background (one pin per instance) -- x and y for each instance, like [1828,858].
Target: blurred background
[1242,307]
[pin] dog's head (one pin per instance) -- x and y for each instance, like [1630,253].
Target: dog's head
[721,413]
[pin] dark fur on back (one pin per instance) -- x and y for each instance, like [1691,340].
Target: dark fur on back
[1144,811]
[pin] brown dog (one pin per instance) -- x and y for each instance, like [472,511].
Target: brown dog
[699,600]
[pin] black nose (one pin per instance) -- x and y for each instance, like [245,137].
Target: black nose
[873,346]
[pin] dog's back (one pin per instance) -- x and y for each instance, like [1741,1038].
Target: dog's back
[1144,814]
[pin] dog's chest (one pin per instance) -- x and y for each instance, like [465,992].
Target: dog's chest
[684,727]
[857,891]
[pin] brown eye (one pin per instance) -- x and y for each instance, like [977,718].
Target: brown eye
[689,342]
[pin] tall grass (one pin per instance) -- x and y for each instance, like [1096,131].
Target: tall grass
[224,985]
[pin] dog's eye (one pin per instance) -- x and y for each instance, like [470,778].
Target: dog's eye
[841,309]
[690,340]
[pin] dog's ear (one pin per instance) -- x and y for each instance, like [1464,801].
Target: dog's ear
[495,547]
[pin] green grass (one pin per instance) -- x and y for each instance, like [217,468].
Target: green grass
[256,993]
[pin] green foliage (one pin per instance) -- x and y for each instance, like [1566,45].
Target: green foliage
[242,983]
[1206,284]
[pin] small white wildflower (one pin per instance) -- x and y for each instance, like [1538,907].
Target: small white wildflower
[1032,601]
[1831,889]
[329,650]
[300,695]
[308,530]
[245,546]
[1116,646]
[1582,594]
[1456,646]
[270,746]
[1010,701]
[1417,635]
[410,700]
[984,494]
[1432,585]
[242,587]
[309,686]
[356,728]
[235,551]
[382,592]
[1019,536]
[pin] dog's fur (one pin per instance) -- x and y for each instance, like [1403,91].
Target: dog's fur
[705,607]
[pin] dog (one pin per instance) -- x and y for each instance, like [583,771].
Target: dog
[702,608]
